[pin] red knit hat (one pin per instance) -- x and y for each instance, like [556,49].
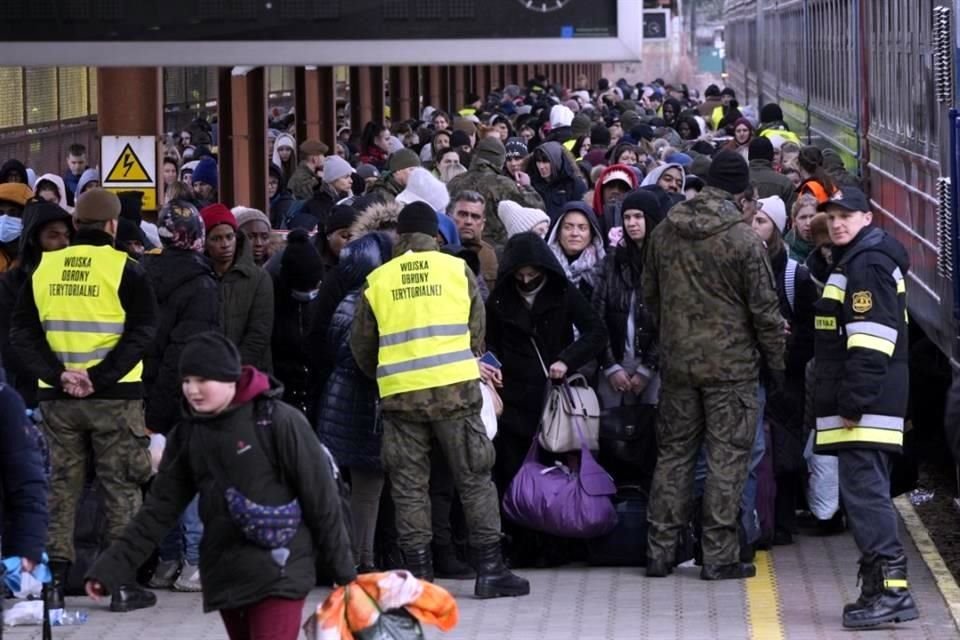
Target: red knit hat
[215,214]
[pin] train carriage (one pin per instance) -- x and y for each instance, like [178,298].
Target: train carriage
[860,76]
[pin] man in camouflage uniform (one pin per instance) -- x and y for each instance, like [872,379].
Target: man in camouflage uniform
[709,283]
[417,326]
[305,180]
[486,177]
[400,165]
[82,325]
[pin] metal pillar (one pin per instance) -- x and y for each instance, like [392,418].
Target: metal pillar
[436,88]
[366,96]
[404,93]
[130,103]
[243,137]
[458,89]
[316,104]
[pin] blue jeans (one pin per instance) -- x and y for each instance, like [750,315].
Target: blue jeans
[748,499]
[183,541]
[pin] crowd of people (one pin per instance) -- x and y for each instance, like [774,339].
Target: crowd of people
[678,253]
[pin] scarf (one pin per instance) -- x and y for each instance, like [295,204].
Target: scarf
[585,267]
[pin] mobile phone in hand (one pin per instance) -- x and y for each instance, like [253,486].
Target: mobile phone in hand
[490,359]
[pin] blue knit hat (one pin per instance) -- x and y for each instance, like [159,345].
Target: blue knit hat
[206,172]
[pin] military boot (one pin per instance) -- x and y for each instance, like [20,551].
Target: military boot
[56,591]
[419,562]
[870,579]
[448,566]
[891,603]
[494,580]
[732,571]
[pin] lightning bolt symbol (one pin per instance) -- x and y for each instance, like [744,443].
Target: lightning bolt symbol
[127,164]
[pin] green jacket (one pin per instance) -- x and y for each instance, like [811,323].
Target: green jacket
[246,308]
[485,179]
[440,403]
[709,284]
[385,187]
[303,182]
[770,183]
[799,248]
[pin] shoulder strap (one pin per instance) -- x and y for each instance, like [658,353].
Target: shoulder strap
[543,365]
[790,282]
[263,415]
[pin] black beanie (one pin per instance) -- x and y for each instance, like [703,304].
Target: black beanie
[599,136]
[210,355]
[729,172]
[761,149]
[771,113]
[418,217]
[301,266]
[342,216]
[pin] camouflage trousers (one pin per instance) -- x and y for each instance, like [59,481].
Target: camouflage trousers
[470,455]
[114,431]
[723,420]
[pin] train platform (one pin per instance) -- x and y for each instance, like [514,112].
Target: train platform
[798,594]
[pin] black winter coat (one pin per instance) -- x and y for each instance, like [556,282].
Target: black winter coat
[617,285]
[186,291]
[23,484]
[565,183]
[557,309]
[293,318]
[785,410]
[272,467]
[348,420]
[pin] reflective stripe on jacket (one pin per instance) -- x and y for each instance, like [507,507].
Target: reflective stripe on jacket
[77,293]
[861,349]
[421,301]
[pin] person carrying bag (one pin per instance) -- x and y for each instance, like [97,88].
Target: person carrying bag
[574,399]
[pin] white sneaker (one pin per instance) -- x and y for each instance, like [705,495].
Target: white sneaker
[189,578]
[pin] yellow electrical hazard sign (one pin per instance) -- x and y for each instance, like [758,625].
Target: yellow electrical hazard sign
[128,168]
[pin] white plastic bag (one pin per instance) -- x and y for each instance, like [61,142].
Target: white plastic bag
[27,612]
[823,485]
[489,411]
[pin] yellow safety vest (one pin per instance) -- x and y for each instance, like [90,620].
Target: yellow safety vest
[570,144]
[77,292]
[467,112]
[421,301]
[789,136]
[716,117]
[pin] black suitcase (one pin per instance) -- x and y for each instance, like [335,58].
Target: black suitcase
[626,545]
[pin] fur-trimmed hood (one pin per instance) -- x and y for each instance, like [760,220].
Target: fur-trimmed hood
[379,216]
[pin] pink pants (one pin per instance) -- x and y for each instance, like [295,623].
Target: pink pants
[269,619]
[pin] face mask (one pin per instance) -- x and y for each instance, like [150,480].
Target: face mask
[530,285]
[10,228]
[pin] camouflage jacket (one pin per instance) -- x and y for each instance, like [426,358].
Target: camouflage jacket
[708,282]
[303,182]
[440,403]
[494,187]
[386,188]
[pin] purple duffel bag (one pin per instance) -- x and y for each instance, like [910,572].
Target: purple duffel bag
[561,502]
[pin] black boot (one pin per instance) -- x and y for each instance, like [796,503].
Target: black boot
[55,592]
[494,580]
[130,597]
[870,579]
[420,563]
[891,603]
[658,568]
[448,566]
[733,571]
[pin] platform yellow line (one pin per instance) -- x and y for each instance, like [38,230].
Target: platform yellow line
[934,561]
[763,601]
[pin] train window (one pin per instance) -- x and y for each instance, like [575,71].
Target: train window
[11,88]
[174,90]
[72,83]
[41,94]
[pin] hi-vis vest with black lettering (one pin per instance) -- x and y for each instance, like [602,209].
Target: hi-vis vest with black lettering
[861,349]
[77,295]
[421,301]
